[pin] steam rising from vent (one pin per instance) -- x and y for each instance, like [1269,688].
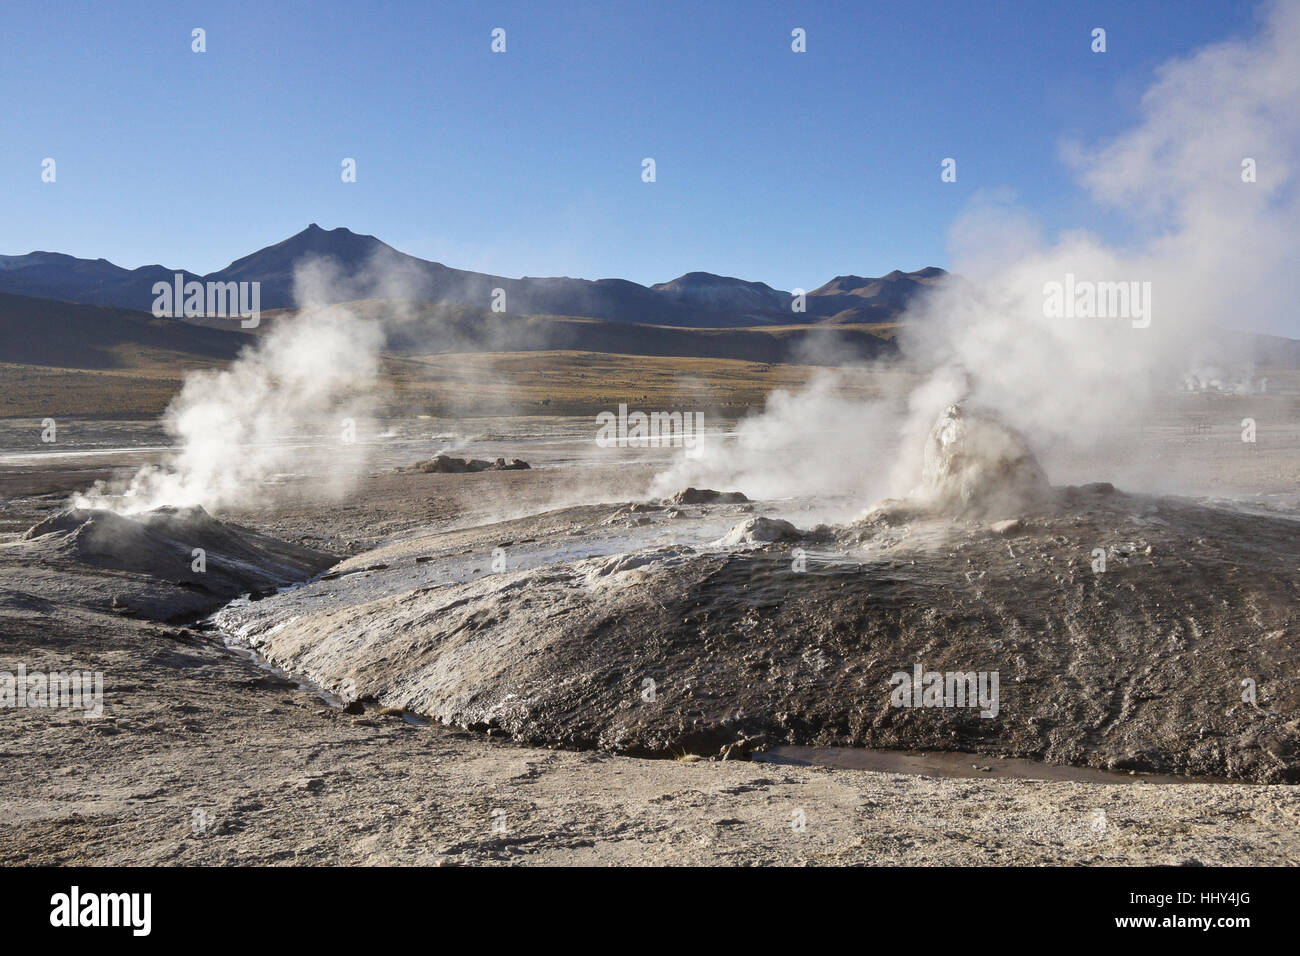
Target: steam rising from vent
[785,451]
[1038,333]
[975,464]
[289,404]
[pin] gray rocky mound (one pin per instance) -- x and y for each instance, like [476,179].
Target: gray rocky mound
[162,564]
[759,530]
[976,464]
[1112,623]
[1136,664]
[445,465]
[706,496]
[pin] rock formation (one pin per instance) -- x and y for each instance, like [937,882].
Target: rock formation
[976,465]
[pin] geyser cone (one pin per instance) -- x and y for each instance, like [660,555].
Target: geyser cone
[974,463]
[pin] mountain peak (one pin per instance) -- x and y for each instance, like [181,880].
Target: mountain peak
[314,230]
[895,285]
[706,279]
[711,292]
[694,299]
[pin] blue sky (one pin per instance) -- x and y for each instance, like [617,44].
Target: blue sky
[781,167]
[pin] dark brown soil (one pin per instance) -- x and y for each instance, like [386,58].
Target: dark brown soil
[1137,667]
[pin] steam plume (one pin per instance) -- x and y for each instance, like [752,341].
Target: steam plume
[1218,252]
[288,404]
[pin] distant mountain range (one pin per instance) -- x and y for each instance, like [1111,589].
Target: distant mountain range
[697,299]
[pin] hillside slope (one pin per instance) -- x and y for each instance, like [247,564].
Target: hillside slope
[368,267]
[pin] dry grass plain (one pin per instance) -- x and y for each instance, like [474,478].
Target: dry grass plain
[554,382]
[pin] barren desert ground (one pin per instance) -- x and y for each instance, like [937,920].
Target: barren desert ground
[499,713]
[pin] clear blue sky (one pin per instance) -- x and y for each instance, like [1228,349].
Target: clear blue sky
[782,167]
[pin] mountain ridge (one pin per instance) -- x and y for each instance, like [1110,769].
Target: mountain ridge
[695,299]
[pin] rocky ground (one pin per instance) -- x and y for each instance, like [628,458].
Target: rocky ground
[556,640]
[1113,622]
[203,756]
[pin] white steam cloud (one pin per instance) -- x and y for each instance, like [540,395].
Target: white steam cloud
[289,404]
[1218,252]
